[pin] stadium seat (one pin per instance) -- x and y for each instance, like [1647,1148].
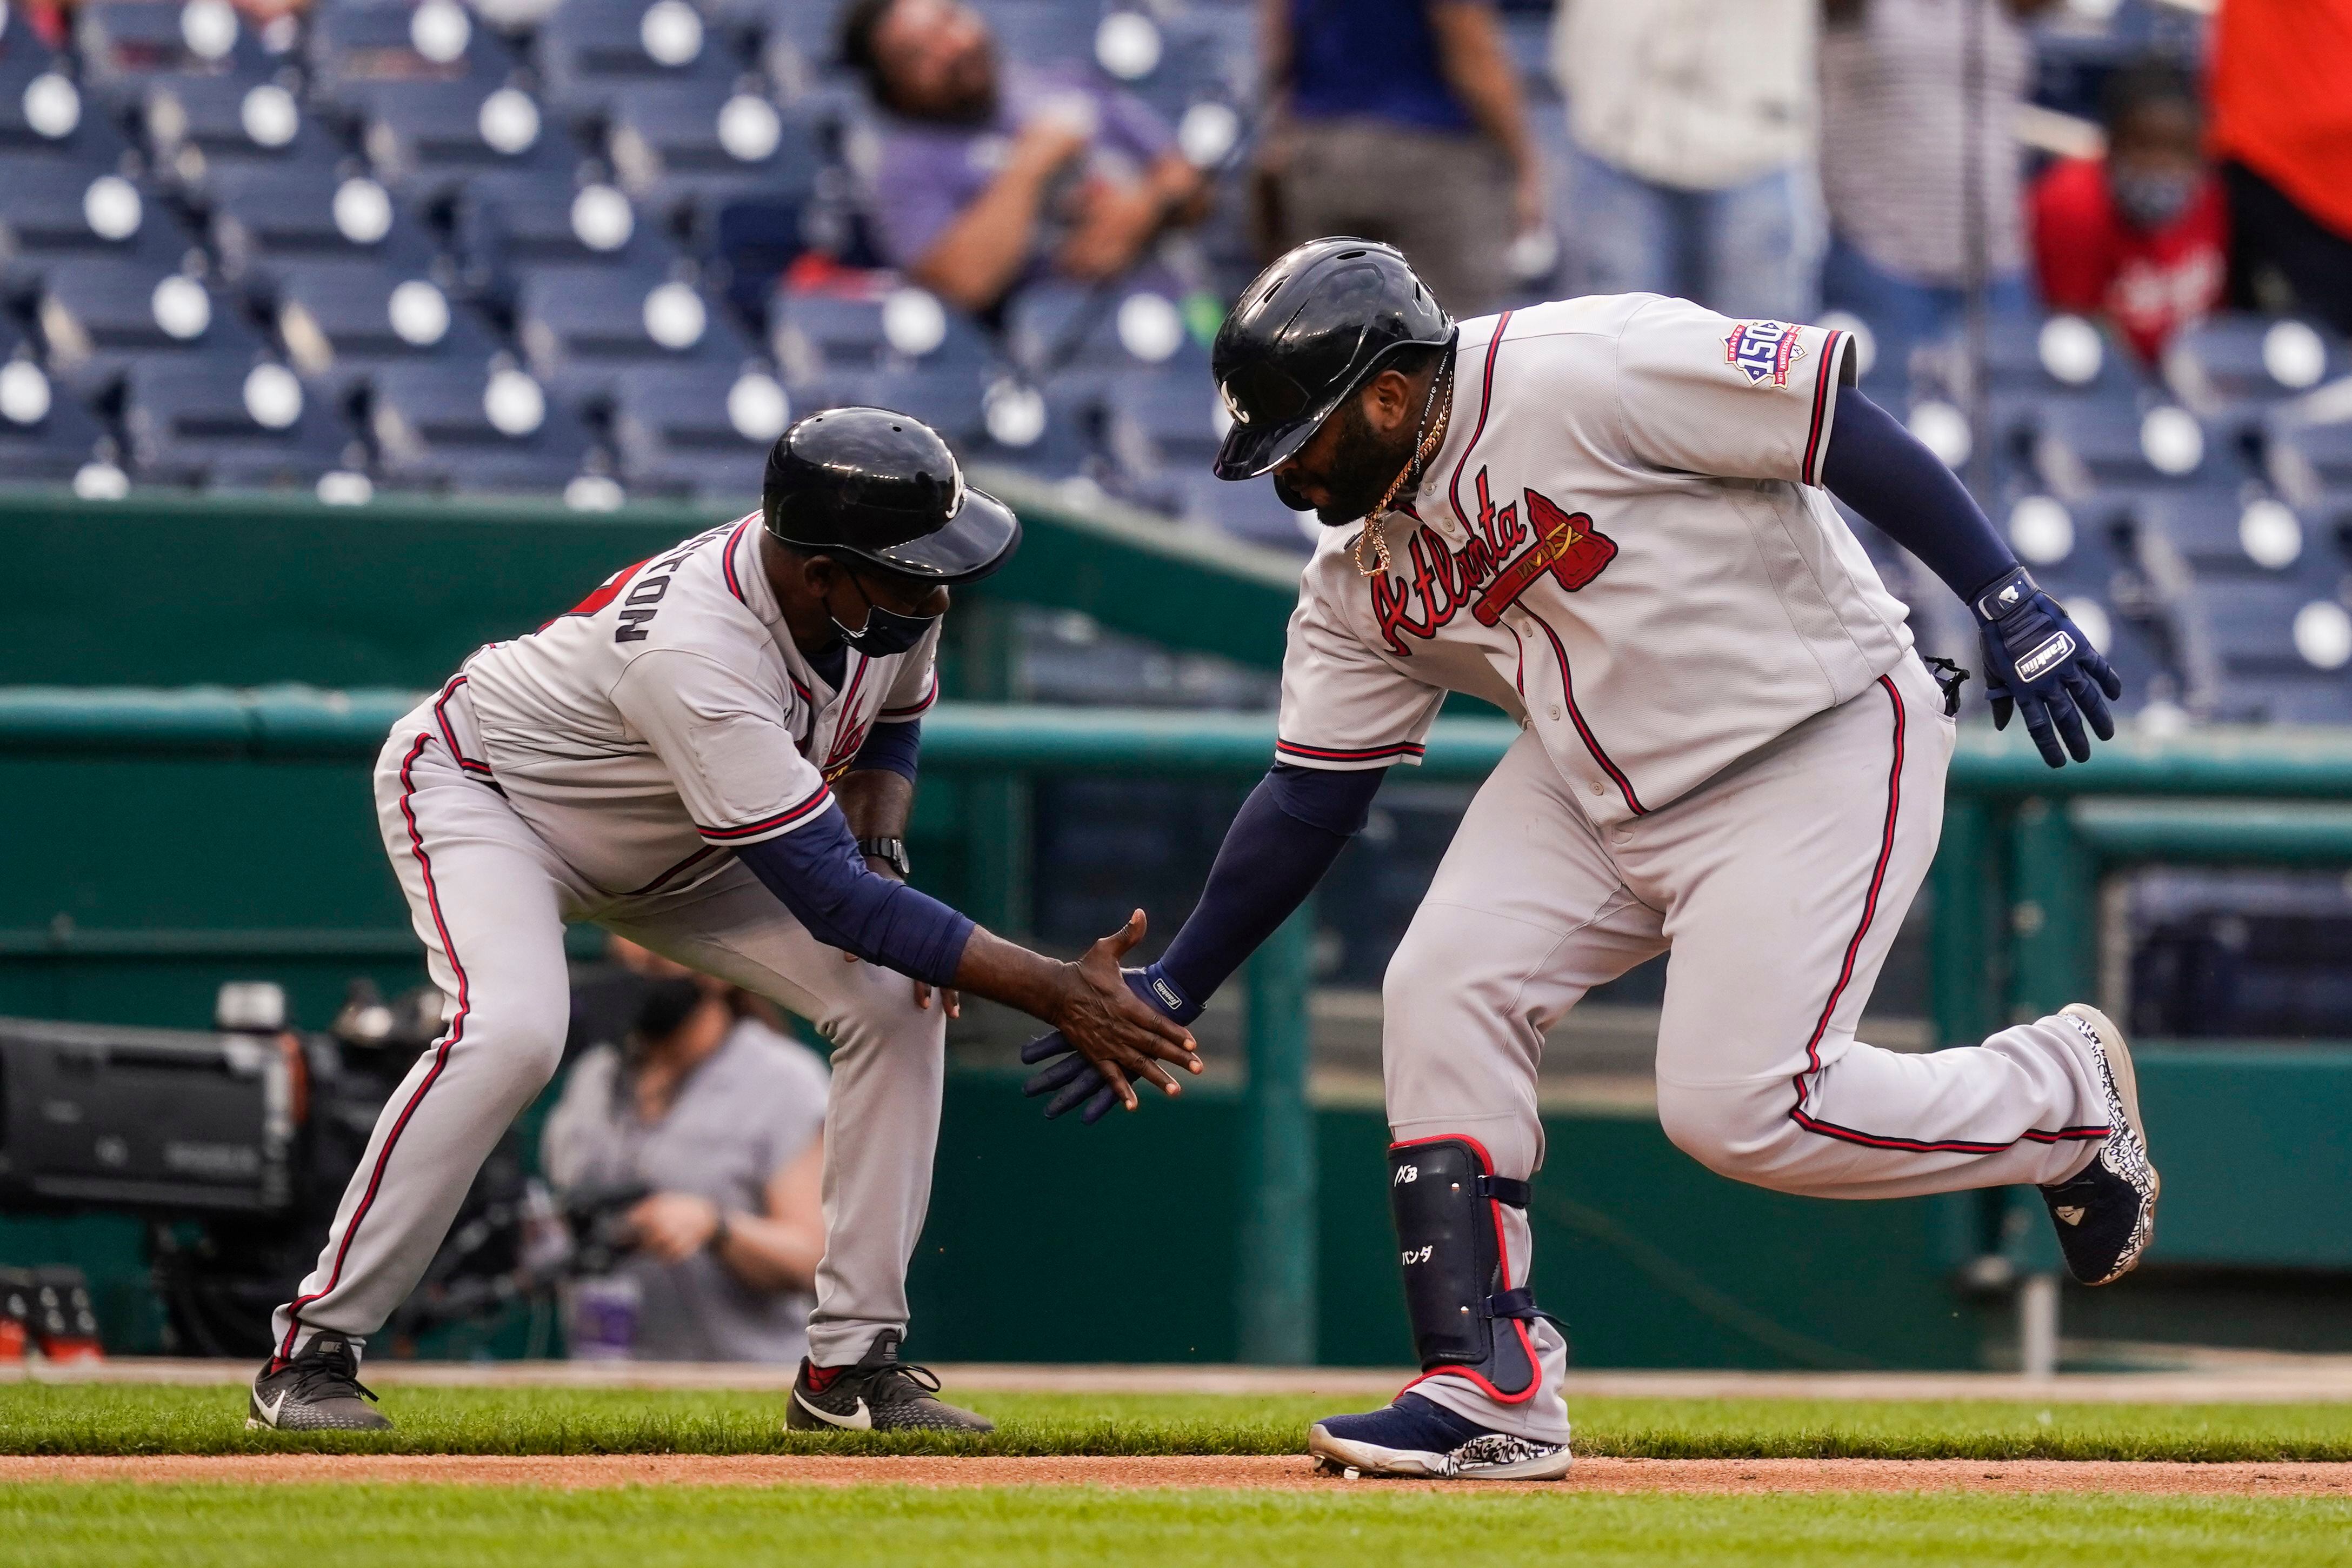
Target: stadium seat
[261,216]
[197,125]
[98,316]
[41,109]
[352,47]
[2280,648]
[426,139]
[59,208]
[481,428]
[2082,445]
[2308,462]
[590,51]
[46,433]
[1051,326]
[2091,555]
[823,333]
[580,326]
[672,143]
[2237,365]
[1247,509]
[1166,420]
[2218,534]
[2059,356]
[344,321]
[507,223]
[699,431]
[209,421]
[125,43]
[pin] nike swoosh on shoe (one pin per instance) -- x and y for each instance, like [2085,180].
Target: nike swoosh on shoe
[861,1421]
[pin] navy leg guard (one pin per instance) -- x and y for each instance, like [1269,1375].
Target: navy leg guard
[1447,1204]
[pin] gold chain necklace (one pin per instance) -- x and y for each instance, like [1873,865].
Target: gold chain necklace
[1379,564]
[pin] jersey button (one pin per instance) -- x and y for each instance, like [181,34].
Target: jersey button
[1596,787]
[1555,710]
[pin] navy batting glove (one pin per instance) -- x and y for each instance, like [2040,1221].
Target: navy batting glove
[1074,1081]
[2040,665]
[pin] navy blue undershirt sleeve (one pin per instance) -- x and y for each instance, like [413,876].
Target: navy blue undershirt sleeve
[1282,841]
[892,748]
[819,875]
[1886,474]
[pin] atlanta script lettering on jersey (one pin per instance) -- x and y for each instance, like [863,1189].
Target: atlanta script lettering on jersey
[1445,579]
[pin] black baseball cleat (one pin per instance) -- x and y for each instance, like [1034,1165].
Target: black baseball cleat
[317,1391]
[2105,1216]
[1418,1437]
[878,1394]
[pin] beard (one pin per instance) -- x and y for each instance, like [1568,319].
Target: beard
[1363,466]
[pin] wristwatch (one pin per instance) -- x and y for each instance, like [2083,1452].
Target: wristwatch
[891,850]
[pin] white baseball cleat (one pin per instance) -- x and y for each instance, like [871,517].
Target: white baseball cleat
[1419,1437]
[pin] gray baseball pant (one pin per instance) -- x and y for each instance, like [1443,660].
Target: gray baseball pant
[489,898]
[1778,886]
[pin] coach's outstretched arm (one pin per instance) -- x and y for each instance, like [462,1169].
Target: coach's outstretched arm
[1282,841]
[2038,660]
[818,874]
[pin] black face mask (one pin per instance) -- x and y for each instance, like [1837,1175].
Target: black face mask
[666,1007]
[886,631]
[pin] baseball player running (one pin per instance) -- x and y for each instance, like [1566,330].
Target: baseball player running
[713,754]
[1605,515]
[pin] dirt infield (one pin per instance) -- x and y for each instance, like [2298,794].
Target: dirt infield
[1281,1473]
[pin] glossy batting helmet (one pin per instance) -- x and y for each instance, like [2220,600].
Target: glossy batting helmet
[883,488]
[1308,330]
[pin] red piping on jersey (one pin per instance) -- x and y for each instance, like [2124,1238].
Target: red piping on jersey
[930,694]
[1812,1124]
[455,1032]
[448,735]
[728,559]
[1575,716]
[1503,1254]
[1805,473]
[784,818]
[846,740]
[1336,754]
[1485,396]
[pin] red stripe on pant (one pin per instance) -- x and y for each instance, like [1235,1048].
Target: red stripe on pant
[440,1058]
[1812,1124]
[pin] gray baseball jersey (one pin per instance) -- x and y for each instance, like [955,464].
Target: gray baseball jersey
[1730,753]
[1619,543]
[668,716]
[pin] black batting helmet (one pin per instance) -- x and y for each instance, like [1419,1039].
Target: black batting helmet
[1308,330]
[883,488]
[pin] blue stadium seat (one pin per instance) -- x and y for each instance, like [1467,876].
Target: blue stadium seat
[2237,365]
[198,125]
[673,144]
[46,433]
[265,217]
[50,116]
[434,430]
[818,334]
[699,431]
[426,139]
[2085,444]
[511,223]
[590,51]
[352,47]
[2221,534]
[1172,419]
[580,326]
[1248,510]
[124,43]
[2055,357]
[229,426]
[56,208]
[2280,647]
[98,316]
[2088,555]
[2310,464]
[344,321]
[1053,325]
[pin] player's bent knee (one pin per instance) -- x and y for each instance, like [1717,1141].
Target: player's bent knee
[1432,979]
[1736,1130]
[524,1038]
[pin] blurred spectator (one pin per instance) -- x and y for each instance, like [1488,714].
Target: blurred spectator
[2140,236]
[708,1125]
[991,175]
[1896,113]
[2282,93]
[1694,128]
[1399,120]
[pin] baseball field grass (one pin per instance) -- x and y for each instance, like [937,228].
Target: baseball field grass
[358,1526]
[131,1418]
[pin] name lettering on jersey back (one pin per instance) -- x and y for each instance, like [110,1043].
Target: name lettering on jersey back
[1483,573]
[651,585]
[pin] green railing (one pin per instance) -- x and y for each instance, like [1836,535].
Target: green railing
[2015,922]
